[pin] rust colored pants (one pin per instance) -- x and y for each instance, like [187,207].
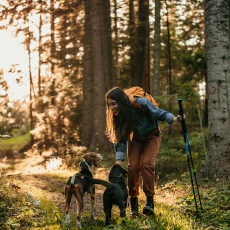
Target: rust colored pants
[141,155]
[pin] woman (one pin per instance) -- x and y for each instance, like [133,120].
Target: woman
[139,128]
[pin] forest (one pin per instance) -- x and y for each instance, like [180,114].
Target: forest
[74,52]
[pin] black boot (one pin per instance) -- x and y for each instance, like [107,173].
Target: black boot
[149,208]
[134,206]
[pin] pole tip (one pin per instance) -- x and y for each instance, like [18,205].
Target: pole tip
[180,99]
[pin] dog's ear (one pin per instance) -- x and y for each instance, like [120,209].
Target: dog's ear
[93,159]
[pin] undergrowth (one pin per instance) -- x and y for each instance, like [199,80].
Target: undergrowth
[14,142]
[171,160]
[20,210]
[214,211]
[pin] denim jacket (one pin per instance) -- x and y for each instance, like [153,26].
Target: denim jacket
[146,121]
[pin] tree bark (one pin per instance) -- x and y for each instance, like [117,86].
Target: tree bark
[52,78]
[99,77]
[109,44]
[52,27]
[205,114]
[87,114]
[63,33]
[140,54]
[52,53]
[217,38]
[39,61]
[170,67]
[117,68]
[146,74]
[31,88]
[105,22]
[132,30]
[157,50]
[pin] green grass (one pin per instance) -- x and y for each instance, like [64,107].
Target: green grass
[14,142]
[165,218]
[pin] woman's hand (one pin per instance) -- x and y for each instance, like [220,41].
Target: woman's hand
[178,118]
[118,162]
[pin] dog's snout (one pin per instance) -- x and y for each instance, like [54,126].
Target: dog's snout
[99,156]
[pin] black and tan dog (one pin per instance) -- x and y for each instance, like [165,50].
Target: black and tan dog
[78,186]
[116,192]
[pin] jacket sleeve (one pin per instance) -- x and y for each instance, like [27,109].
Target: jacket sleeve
[120,151]
[155,113]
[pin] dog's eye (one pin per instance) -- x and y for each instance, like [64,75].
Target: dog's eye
[92,156]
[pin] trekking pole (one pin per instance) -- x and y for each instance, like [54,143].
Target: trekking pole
[190,153]
[187,148]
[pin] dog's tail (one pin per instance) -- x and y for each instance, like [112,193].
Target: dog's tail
[72,179]
[98,181]
[71,183]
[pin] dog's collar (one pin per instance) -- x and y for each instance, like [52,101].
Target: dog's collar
[119,178]
[90,169]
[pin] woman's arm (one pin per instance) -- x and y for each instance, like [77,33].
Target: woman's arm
[120,149]
[158,114]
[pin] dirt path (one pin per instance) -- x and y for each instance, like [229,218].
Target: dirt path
[43,184]
[50,186]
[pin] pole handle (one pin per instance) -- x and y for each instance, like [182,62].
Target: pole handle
[183,121]
[180,107]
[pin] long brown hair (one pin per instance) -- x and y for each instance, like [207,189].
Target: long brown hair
[118,128]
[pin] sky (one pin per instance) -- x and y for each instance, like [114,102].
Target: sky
[12,52]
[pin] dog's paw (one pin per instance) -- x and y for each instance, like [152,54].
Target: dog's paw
[79,224]
[68,218]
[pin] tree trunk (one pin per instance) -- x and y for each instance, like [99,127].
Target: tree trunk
[109,41]
[52,27]
[117,69]
[99,77]
[142,32]
[170,67]
[87,110]
[63,33]
[157,49]
[217,38]
[39,62]
[52,78]
[52,51]
[132,30]
[205,114]
[31,88]
[146,74]
[105,23]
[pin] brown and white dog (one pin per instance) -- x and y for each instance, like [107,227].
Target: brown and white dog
[78,186]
